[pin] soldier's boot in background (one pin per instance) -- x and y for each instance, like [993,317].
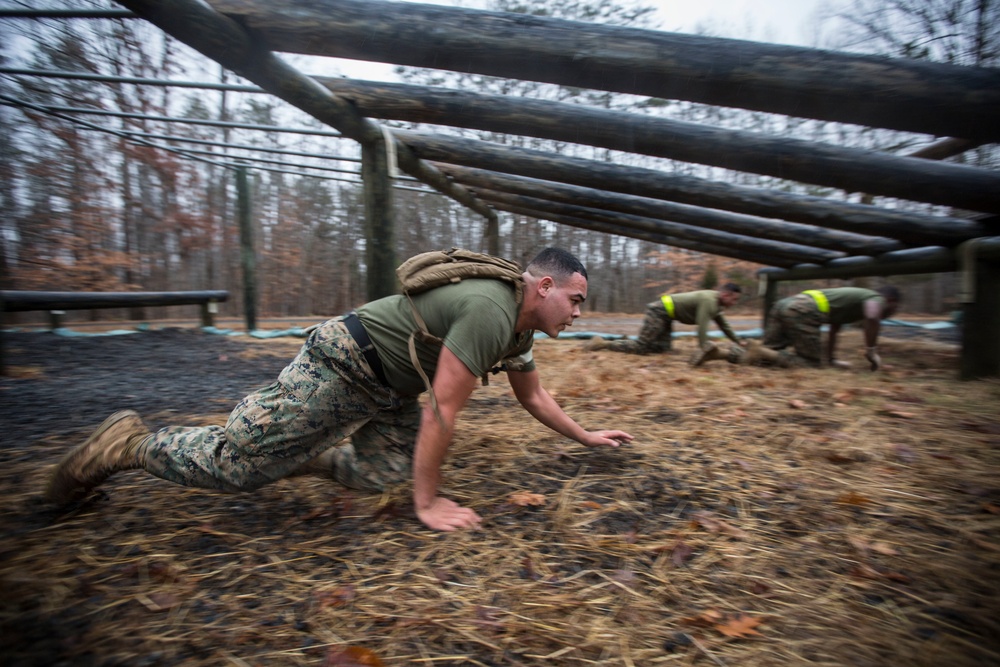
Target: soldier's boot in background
[710,352]
[595,343]
[757,354]
[733,354]
[321,466]
[116,445]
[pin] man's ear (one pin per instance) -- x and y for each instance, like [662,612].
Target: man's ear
[545,285]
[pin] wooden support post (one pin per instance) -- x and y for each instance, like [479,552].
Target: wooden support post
[56,319]
[208,311]
[379,225]
[247,256]
[493,236]
[770,298]
[3,323]
[980,317]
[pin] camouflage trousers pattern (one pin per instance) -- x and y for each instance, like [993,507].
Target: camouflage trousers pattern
[654,336]
[325,395]
[796,321]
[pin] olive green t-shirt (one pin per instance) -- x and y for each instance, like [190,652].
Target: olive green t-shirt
[847,303]
[701,307]
[475,318]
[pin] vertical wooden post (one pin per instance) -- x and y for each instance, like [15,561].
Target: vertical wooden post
[981,320]
[493,236]
[56,320]
[770,297]
[247,256]
[208,311]
[3,322]
[380,242]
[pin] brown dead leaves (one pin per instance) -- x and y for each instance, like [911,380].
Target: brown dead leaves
[714,524]
[896,412]
[735,626]
[525,499]
[521,499]
[352,656]
[866,568]
[340,596]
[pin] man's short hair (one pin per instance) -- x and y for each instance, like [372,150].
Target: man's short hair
[731,287]
[556,262]
[890,293]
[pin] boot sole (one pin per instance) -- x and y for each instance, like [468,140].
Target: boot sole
[703,357]
[64,488]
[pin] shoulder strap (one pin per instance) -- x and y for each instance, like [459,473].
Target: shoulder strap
[437,268]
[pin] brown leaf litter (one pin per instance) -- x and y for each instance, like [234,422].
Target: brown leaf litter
[760,517]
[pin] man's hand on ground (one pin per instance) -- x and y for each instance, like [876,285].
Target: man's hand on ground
[447,515]
[613,438]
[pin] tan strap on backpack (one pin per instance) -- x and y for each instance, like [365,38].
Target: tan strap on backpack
[446,267]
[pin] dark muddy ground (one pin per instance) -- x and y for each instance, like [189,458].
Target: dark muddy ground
[65,384]
[83,379]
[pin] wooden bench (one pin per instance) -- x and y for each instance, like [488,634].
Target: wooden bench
[59,302]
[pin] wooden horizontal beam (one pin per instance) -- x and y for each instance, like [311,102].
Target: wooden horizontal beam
[851,169]
[735,223]
[19,301]
[904,262]
[911,228]
[664,239]
[912,95]
[738,243]
[228,42]
[897,263]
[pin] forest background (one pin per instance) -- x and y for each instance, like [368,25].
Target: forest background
[88,204]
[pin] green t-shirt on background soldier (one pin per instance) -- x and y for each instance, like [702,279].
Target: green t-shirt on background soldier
[700,308]
[796,322]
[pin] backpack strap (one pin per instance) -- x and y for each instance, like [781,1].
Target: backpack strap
[428,338]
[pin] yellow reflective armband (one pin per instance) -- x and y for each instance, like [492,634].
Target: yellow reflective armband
[668,303]
[821,301]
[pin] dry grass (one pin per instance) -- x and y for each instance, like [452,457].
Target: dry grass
[853,515]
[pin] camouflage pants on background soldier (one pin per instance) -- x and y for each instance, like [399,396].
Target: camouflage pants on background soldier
[795,321]
[654,337]
[325,395]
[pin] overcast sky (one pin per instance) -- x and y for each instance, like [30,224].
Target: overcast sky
[780,21]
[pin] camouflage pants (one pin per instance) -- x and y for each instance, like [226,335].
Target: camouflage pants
[654,336]
[327,393]
[796,322]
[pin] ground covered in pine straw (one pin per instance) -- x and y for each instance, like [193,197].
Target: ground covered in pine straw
[761,517]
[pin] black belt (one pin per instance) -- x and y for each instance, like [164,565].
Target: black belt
[357,331]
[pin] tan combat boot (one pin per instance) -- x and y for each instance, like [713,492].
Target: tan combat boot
[757,353]
[114,446]
[595,343]
[710,352]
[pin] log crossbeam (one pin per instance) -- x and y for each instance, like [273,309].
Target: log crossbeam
[920,96]
[850,169]
[913,229]
[233,46]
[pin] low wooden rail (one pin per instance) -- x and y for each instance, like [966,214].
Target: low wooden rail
[56,303]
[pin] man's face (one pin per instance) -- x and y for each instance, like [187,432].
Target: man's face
[890,308]
[561,304]
[727,299]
